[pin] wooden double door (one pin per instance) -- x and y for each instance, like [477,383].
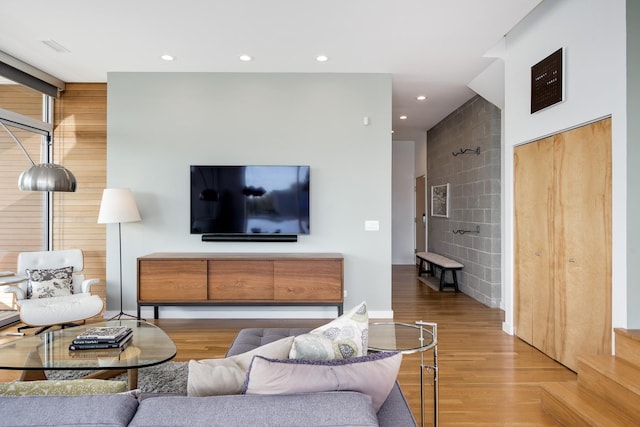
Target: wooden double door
[562,243]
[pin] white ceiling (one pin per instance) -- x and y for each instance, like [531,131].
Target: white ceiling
[431,47]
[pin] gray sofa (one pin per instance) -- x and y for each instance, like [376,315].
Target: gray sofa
[343,408]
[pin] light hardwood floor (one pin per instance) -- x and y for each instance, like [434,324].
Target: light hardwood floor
[487,377]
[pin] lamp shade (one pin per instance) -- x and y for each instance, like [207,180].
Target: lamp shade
[118,205]
[47,177]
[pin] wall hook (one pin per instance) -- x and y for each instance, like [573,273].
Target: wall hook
[477,230]
[466,150]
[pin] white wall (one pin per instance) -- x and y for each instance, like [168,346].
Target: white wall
[633,157]
[161,123]
[421,170]
[420,160]
[593,35]
[403,203]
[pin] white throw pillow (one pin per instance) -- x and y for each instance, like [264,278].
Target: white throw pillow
[214,377]
[343,338]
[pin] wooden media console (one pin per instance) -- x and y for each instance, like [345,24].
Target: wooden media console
[242,279]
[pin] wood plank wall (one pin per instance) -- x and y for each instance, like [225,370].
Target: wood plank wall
[80,144]
[21,214]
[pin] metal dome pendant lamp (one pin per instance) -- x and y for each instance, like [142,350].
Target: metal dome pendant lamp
[45,176]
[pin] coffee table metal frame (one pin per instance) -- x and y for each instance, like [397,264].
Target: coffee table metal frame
[426,338]
[34,354]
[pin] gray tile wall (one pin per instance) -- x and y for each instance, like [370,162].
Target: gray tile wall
[474,199]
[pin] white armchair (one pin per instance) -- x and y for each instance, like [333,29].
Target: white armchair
[45,303]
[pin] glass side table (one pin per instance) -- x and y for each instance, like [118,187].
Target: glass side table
[408,339]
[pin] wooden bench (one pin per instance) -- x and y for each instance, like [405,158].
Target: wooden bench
[445,264]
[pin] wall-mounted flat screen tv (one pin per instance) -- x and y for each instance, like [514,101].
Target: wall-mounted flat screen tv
[250,200]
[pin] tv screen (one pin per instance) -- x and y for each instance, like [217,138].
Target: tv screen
[250,199]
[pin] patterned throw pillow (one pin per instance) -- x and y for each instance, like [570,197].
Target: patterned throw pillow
[47,283]
[343,338]
[62,387]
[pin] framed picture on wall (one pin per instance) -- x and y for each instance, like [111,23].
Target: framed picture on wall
[440,200]
[547,81]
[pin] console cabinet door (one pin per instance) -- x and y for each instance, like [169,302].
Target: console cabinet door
[167,280]
[308,280]
[240,280]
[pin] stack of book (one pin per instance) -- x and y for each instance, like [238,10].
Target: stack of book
[105,337]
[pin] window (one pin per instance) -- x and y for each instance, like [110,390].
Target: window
[24,219]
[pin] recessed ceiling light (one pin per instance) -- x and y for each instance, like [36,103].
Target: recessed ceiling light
[167,57]
[245,58]
[403,117]
[421,97]
[322,58]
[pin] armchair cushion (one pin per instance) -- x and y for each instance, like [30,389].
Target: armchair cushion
[47,283]
[54,259]
[53,311]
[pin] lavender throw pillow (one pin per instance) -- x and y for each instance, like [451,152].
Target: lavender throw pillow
[373,375]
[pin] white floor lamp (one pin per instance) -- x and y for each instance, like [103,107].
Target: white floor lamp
[118,206]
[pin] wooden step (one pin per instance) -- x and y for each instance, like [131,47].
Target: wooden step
[571,406]
[614,380]
[628,345]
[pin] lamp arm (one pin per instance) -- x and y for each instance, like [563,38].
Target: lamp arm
[17,142]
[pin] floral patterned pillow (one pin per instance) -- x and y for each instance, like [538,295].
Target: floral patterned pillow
[47,283]
[343,338]
[62,387]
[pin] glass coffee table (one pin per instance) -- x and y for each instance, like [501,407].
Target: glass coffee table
[33,355]
[408,339]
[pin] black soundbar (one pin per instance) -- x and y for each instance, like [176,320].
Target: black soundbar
[225,237]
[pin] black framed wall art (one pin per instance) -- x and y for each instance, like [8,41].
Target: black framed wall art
[547,81]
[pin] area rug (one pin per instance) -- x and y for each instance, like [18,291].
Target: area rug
[170,377]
